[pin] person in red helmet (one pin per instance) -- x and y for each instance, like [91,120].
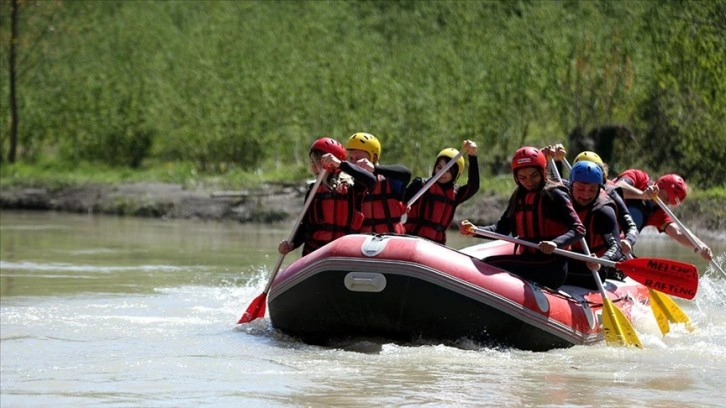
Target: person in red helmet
[539,210]
[432,214]
[336,207]
[382,205]
[639,190]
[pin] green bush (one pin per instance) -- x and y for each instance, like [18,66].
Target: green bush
[249,85]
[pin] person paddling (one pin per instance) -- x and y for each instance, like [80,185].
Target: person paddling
[628,230]
[382,205]
[432,214]
[539,210]
[639,191]
[597,212]
[336,207]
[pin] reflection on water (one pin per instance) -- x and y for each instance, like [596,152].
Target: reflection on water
[44,253]
[141,312]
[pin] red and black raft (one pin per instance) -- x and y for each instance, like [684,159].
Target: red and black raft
[409,289]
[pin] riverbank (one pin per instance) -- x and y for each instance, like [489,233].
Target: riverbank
[268,203]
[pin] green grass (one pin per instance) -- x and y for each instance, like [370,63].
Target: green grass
[58,175]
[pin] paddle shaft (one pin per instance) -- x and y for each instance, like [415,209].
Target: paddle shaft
[686,231]
[558,251]
[311,195]
[434,179]
[428,185]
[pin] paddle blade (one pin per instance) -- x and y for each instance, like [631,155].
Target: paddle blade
[664,275]
[616,327]
[659,311]
[255,310]
[672,311]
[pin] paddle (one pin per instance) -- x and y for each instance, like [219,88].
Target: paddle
[664,308]
[672,277]
[256,309]
[428,185]
[686,231]
[615,325]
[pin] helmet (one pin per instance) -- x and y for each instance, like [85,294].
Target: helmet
[329,145]
[529,157]
[675,186]
[586,172]
[366,142]
[588,156]
[450,153]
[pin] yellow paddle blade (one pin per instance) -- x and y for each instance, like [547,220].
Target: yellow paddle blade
[617,328]
[671,309]
[659,312]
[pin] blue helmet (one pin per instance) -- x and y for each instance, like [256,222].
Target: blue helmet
[586,172]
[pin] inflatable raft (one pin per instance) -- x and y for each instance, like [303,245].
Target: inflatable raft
[409,289]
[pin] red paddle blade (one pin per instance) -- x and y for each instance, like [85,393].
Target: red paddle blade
[672,277]
[255,310]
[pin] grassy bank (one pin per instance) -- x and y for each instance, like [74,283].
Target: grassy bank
[704,209]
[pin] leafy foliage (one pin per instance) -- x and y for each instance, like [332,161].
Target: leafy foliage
[249,85]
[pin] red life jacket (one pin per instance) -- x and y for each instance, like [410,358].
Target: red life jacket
[595,242]
[332,214]
[382,210]
[531,220]
[432,214]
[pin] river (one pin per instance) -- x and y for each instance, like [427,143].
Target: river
[130,312]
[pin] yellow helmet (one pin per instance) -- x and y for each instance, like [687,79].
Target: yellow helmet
[450,152]
[366,142]
[588,156]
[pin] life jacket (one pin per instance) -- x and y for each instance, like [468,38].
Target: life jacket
[332,214]
[595,242]
[382,210]
[531,222]
[432,214]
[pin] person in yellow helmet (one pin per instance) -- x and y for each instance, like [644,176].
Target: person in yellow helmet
[382,205]
[432,214]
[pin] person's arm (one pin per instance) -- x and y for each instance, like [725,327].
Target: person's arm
[625,221]
[674,231]
[561,209]
[502,226]
[605,225]
[398,176]
[630,192]
[412,189]
[360,175]
[471,187]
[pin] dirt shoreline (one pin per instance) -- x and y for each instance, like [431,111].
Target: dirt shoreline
[269,203]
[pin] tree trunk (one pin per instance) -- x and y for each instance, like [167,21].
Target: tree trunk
[12,68]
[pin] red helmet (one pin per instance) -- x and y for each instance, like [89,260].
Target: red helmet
[675,186]
[330,145]
[529,157]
